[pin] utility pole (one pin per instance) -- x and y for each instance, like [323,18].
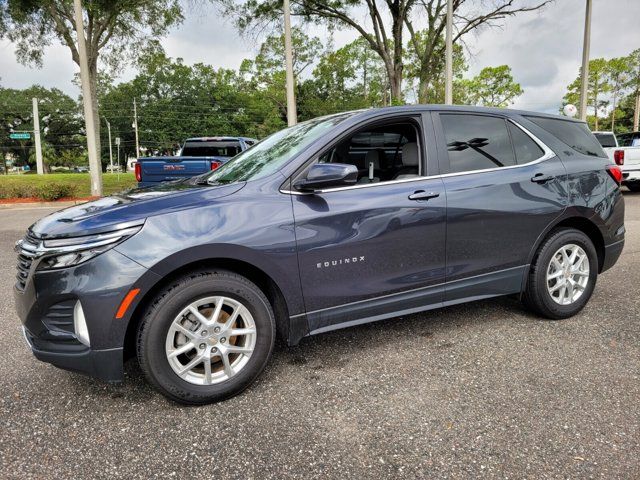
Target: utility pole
[135,126]
[110,150]
[292,115]
[584,80]
[448,84]
[636,113]
[36,134]
[95,168]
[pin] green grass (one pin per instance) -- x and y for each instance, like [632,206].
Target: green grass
[76,184]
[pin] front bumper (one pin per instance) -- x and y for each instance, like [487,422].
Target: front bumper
[45,307]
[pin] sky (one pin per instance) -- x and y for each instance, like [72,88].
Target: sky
[543,49]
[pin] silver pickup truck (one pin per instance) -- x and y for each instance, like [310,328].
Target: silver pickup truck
[624,150]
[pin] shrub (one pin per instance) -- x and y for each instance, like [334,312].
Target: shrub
[54,191]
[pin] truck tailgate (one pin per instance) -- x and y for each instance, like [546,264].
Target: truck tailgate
[161,169]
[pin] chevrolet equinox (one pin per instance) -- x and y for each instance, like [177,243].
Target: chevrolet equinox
[337,221]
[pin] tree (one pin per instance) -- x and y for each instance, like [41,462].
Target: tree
[618,73]
[633,84]
[468,16]
[597,86]
[61,125]
[115,31]
[351,77]
[430,87]
[492,87]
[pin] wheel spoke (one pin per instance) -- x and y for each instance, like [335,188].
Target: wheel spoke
[182,349]
[232,318]
[241,331]
[184,330]
[196,313]
[556,287]
[216,312]
[563,293]
[196,360]
[555,275]
[227,366]
[237,349]
[207,370]
[570,291]
[580,273]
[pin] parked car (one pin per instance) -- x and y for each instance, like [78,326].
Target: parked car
[197,156]
[334,222]
[624,150]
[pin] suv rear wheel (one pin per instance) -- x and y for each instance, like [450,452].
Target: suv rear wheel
[206,337]
[563,275]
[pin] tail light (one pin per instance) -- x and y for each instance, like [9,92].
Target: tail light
[137,168]
[615,172]
[215,164]
[618,157]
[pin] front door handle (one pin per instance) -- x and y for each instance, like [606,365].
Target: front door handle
[422,195]
[541,178]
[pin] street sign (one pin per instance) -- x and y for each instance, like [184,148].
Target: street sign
[20,136]
[118,141]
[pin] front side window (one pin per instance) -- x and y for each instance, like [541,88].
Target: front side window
[381,153]
[477,142]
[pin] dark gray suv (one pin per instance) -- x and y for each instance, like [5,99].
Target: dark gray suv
[334,222]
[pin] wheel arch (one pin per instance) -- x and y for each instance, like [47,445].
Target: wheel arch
[583,224]
[270,287]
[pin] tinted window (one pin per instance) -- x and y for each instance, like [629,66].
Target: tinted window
[525,148]
[211,149]
[477,142]
[575,134]
[273,152]
[606,139]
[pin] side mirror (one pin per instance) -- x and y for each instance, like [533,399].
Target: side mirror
[325,175]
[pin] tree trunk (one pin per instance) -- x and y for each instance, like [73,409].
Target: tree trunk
[613,112]
[636,114]
[93,84]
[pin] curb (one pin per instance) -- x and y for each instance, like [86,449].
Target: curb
[35,205]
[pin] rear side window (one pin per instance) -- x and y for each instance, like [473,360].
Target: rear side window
[525,148]
[476,142]
[211,149]
[575,134]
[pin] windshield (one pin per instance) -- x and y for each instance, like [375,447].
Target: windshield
[270,154]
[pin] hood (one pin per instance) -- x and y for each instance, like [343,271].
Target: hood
[129,208]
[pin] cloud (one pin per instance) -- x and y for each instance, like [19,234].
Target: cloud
[543,48]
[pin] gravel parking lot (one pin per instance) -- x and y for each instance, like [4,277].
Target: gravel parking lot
[479,390]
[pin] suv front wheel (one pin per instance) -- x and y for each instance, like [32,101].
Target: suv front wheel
[563,275]
[206,337]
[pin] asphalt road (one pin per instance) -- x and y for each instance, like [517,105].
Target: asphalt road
[479,390]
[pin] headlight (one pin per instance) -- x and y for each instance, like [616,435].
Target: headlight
[66,252]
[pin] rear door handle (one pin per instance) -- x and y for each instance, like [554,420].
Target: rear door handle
[422,195]
[541,178]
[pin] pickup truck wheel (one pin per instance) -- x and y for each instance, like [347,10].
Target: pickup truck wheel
[563,275]
[206,337]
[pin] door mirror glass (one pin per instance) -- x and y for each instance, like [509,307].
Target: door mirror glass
[326,175]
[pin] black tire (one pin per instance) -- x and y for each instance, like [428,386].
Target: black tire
[536,295]
[153,329]
[633,187]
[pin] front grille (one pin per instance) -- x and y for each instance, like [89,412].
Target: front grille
[26,253]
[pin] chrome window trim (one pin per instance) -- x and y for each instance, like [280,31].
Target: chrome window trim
[547,154]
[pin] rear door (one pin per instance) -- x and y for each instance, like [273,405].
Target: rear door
[376,248]
[504,187]
[162,169]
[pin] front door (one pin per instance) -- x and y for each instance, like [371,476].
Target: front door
[378,247]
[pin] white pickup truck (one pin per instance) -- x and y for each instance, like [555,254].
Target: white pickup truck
[624,150]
